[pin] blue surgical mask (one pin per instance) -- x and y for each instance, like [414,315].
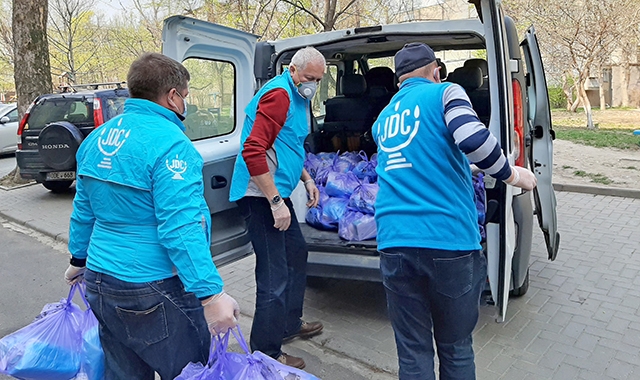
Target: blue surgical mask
[307,89]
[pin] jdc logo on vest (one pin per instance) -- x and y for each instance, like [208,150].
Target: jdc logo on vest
[110,142]
[177,167]
[398,132]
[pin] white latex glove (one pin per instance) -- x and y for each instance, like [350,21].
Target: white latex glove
[281,216]
[74,275]
[474,169]
[522,178]
[221,312]
[314,193]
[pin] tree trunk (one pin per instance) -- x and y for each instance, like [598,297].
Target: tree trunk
[568,91]
[586,104]
[624,86]
[601,91]
[31,54]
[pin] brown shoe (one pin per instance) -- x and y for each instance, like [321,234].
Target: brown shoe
[307,330]
[291,361]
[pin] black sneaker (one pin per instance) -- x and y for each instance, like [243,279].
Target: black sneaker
[307,330]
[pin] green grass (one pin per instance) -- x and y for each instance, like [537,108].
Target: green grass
[631,168]
[600,138]
[597,178]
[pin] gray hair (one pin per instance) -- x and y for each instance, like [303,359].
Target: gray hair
[306,55]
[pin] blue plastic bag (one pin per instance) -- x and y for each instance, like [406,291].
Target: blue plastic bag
[480,200]
[91,354]
[333,210]
[363,198]
[48,348]
[222,365]
[356,226]
[341,185]
[365,170]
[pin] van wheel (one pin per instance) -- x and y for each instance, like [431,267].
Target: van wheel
[521,291]
[57,186]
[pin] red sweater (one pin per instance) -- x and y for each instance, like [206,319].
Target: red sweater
[270,118]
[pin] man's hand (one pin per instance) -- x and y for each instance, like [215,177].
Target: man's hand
[314,193]
[221,313]
[522,178]
[281,216]
[73,275]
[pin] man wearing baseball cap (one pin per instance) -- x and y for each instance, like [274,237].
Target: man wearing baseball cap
[433,272]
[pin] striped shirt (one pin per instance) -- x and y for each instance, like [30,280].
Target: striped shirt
[471,136]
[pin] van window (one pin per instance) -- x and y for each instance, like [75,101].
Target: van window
[326,90]
[211,100]
[380,62]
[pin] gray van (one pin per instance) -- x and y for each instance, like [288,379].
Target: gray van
[503,76]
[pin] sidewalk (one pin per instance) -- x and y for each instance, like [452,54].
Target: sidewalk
[579,320]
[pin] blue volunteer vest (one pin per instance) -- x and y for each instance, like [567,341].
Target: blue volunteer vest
[426,197]
[289,145]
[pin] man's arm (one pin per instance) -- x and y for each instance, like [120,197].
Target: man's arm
[80,230]
[270,118]
[476,141]
[177,200]
[472,137]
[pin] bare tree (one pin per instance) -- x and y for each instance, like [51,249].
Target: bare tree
[72,36]
[587,32]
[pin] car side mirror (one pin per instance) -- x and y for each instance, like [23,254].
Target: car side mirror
[4,120]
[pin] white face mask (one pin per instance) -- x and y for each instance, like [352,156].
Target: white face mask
[182,115]
[307,89]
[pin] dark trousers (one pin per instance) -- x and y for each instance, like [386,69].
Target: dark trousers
[433,294]
[281,275]
[147,327]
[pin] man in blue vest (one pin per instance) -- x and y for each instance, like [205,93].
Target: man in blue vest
[433,272]
[268,169]
[139,218]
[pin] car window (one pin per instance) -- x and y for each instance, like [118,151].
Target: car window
[326,90]
[74,110]
[211,101]
[13,115]
[113,106]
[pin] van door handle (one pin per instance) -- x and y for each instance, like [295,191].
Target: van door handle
[218,182]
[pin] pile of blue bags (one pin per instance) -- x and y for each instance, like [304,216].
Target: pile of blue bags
[61,343]
[348,188]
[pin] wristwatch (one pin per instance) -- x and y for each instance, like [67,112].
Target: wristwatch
[276,200]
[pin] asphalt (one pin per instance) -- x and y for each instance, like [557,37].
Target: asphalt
[579,320]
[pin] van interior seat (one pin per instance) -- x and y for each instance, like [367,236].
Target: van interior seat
[351,111]
[443,70]
[470,78]
[482,64]
[382,84]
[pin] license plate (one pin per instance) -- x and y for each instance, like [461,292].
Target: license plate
[61,175]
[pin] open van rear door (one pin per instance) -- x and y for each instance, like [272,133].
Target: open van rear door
[220,61]
[542,136]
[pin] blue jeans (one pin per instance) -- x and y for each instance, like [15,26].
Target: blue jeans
[433,293]
[281,275]
[147,327]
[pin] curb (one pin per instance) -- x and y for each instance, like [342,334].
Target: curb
[597,190]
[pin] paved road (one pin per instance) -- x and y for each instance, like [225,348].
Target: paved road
[579,320]
[7,164]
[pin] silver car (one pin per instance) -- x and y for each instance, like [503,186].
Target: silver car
[8,128]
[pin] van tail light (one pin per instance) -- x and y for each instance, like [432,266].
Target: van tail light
[518,119]
[24,124]
[98,119]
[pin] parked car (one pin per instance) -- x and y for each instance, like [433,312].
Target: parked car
[55,125]
[508,91]
[8,128]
